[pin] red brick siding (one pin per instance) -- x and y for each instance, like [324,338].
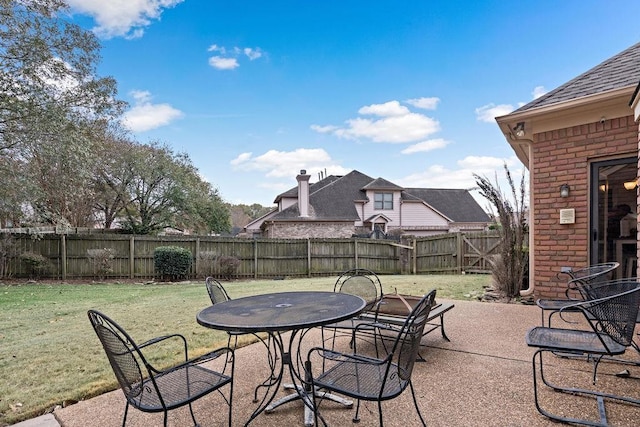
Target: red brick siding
[563,156]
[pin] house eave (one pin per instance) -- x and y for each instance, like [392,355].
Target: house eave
[561,115]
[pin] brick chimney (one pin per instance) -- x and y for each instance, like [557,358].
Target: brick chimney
[303,193]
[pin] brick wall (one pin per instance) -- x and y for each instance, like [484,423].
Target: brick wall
[304,229]
[563,156]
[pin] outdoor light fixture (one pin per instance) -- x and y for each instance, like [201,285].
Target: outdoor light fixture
[564,190]
[519,129]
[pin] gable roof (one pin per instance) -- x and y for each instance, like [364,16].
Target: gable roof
[619,71]
[330,199]
[456,204]
[333,198]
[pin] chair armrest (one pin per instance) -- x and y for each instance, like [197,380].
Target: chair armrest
[162,338]
[326,353]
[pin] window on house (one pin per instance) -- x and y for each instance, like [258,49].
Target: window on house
[383,201]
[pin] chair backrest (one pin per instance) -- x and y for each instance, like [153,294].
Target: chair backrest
[407,344]
[216,291]
[584,278]
[360,282]
[614,307]
[122,352]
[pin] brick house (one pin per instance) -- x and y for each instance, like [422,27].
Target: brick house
[581,138]
[356,204]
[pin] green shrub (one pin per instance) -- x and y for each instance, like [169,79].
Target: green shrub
[172,262]
[36,264]
[228,266]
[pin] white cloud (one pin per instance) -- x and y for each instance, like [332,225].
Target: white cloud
[252,54]
[223,63]
[391,108]
[439,176]
[396,125]
[216,48]
[144,115]
[122,18]
[538,91]
[424,103]
[424,146]
[488,113]
[323,129]
[287,164]
[227,59]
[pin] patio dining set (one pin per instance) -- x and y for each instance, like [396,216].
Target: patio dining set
[383,334]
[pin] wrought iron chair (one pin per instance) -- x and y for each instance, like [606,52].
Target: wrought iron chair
[611,314]
[217,294]
[363,283]
[150,389]
[373,379]
[577,288]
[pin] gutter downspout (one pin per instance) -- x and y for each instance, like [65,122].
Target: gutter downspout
[528,143]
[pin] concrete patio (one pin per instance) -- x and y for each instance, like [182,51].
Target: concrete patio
[482,377]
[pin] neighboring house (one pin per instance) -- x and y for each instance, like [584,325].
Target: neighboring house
[356,204]
[580,144]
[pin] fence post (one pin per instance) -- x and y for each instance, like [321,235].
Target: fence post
[197,254]
[255,258]
[414,260]
[459,251]
[132,258]
[308,257]
[63,250]
[355,252]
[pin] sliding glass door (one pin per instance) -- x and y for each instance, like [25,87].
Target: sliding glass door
[613,213]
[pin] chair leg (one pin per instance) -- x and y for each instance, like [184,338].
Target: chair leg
[415,403]
[356,417]
[599,397]
[380,413]
[193,417]
[126,411]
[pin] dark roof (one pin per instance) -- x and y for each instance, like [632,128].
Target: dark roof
[619,71]
[456,204]
[333,198]
[381,184]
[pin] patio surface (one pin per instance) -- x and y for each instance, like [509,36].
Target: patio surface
[482,377]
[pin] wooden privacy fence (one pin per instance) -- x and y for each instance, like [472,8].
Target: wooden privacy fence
[133,255]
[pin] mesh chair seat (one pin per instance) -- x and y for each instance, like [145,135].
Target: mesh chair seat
[572,340]
[178,386]
[362,381]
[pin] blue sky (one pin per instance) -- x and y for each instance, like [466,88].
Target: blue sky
[255,91]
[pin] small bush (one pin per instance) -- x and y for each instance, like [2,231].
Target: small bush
[206,263]
[8,249]
[172,262]
[228,266]
[36,264]
[102,261]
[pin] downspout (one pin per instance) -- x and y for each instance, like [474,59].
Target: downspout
[528,144]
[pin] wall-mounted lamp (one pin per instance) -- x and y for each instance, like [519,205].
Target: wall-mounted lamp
[564,190]
[630,185]
[519,129]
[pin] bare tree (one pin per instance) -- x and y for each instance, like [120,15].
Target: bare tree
[510,266]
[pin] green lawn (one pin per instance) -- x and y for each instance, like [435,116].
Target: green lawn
[49,355]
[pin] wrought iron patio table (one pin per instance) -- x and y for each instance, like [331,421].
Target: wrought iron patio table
[275,314]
